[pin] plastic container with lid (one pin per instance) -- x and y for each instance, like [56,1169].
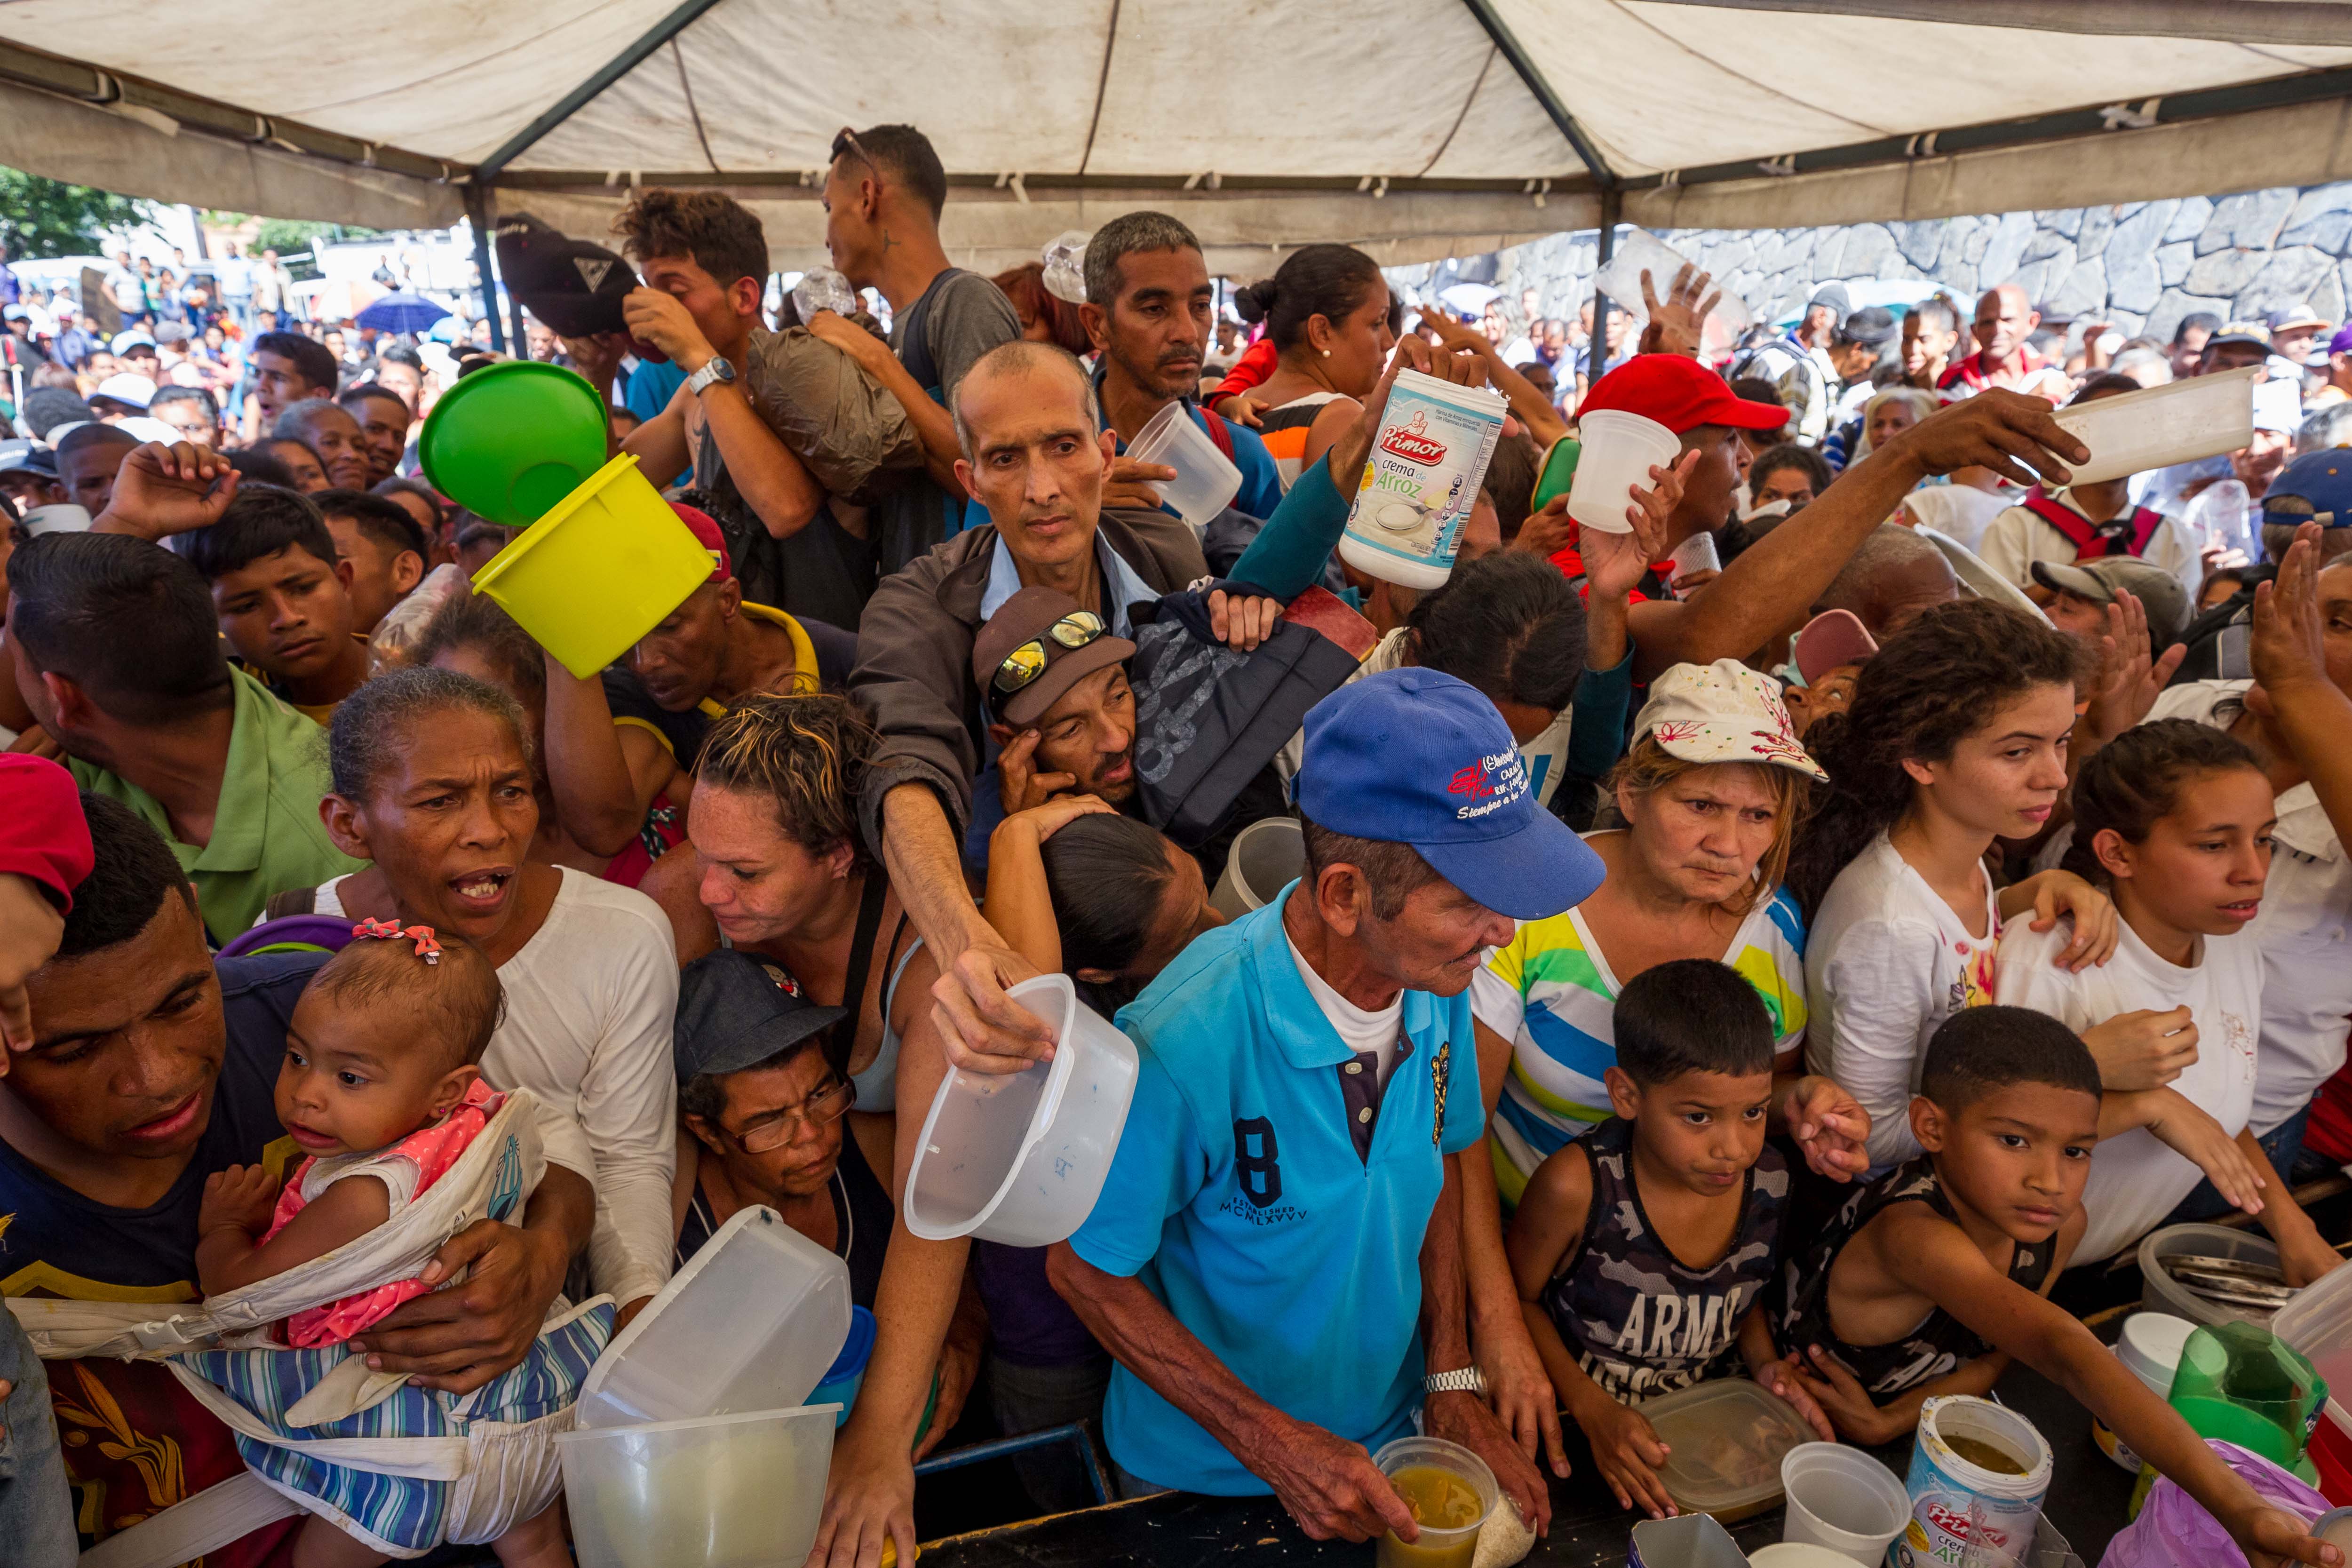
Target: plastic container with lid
[2149,1348]
[2319,1322]
[2156,427]
[2160,1292]
[1842,1502]
[751,1323]
[1421,480]
[2243,1384]
[721,1491]
[1727,1437]
[1019,1158]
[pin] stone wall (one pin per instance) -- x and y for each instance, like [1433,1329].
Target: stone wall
[2140,265]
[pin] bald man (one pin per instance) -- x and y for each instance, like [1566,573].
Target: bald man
[1889,580]
[2005,319]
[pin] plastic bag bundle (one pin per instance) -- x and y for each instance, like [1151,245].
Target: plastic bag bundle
[403,624]
[822,289]
[1065,266]
[2173,1530]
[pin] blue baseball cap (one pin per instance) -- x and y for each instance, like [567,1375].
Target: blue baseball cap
[2317,485]
[1414,756]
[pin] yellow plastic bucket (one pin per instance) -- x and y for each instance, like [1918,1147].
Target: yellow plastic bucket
[599,571]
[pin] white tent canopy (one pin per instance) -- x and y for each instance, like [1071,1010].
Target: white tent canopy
[1415,127]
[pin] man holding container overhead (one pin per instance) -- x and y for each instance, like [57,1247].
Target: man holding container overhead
[1275,1261]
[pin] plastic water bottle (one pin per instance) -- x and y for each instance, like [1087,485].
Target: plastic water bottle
[2221,513]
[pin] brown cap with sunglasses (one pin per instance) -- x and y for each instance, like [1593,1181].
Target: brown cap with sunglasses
[1036,646]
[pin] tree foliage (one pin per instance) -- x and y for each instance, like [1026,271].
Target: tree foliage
[41,218]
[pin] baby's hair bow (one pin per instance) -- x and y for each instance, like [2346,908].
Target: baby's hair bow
[427,947]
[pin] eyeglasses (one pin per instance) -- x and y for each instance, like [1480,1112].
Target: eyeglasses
[847,139]
[1027,662]
[774,1129]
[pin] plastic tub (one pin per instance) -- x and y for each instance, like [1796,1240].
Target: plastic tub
[2159,1292]
[1266,856]
[1955,1501]
[1618,451]
[847,1373]
[1206,481]
[2149,1348]
[1728,1438]
[2319,1322]
[509,442]
[1421,480]
[1694,1540]
[1797,1554]
[723,1491]
[1447,1546]
[1019,1158]
[1842,1500]
[600,571]
[751,1322]
[2175,423]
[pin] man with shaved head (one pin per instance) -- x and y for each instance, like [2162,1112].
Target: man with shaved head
[1888,581]
[329,431]
[2005,319]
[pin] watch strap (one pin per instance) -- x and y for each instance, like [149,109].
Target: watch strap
[1463,1380]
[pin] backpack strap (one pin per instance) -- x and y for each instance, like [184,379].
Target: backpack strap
[292,901]
[2144,522]
[2089,543]
[1219,432]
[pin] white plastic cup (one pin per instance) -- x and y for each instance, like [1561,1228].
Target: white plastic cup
[1842,1498]
[1696,553]
[725,1491]
[1265,855]
[1618,451]
[1206,481]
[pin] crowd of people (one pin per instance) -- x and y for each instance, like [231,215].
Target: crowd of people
[1776,939]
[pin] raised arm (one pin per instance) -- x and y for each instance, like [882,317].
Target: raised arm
[2289,653]
[773,481]
[603,776]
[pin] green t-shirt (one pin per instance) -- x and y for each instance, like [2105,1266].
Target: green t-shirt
[266,835]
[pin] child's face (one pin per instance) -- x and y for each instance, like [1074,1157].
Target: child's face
[1705,1127]
[359,1078]
[289,613]
[2202,866]
[2018,1157]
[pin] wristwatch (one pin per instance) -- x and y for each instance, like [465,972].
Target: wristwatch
[714,370]
[1462,1380]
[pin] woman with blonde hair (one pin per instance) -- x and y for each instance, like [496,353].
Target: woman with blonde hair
[1896,409]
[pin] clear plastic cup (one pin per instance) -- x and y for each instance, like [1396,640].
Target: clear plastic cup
[1843,1500]
[1618,451]
[1206,481]
[1453,1546]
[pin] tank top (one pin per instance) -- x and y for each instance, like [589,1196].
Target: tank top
[1641,1322]
[862,1214]
[1939,1343]
[1285,430]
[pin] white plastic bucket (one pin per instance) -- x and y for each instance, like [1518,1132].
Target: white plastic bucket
[751,1323]
[1618,451]
[1266,857]
[1421,480]
[1019,1158]
[2149,1348]
[1958,1506]
[1206,481]
[725,1491]
[2176,423]
[1842,1500]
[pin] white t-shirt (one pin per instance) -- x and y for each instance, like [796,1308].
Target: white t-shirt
[1375,1032]
[2016,539]
[2135,1181]
[1887,960]
[2304,930]
[587,1030]
[1960,512]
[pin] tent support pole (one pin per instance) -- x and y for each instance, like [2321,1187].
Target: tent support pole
[1596,351]
[478,218]
[619,66]
[1539,86]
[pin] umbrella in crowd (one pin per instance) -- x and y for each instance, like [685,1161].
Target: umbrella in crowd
[401,312]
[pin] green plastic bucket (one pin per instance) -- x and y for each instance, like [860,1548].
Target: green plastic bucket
[511,442]
[599,571]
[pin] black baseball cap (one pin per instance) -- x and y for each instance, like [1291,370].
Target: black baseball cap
[736,1011]
[576,287]
[1873,325]
[28,458]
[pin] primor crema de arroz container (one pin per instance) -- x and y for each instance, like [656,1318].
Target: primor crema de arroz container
[1422,480]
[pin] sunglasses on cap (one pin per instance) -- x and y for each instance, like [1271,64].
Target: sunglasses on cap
[1027,662]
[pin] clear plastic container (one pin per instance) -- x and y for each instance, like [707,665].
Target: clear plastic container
[1019,1158]
[1727,1437]
[2319,1322]
[724,1491]
[1618,451]
[822,289]
[1206,481]
[1265,857]
[1437,1546]
[1841,1501]
[751,1322]
[2160,1292]
[1637,251]
[2176,423]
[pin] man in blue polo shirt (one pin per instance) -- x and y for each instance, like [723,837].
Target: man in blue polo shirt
[1275,1261]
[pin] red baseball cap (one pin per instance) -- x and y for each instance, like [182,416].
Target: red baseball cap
[1680,393]
[706,533]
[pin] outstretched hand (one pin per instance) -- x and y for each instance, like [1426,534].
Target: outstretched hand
[2012,433]
[1677,324]
[1461,366]
[160,491]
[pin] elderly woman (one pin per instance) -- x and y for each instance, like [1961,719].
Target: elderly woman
[433,783]
[778,869]
[1890,413]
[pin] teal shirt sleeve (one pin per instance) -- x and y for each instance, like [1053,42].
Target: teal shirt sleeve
[1160,1167]
[1596,727]
[1286,557]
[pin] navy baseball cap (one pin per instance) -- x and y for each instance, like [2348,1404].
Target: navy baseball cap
[2316,485]
[1413,756]
[735,1011]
